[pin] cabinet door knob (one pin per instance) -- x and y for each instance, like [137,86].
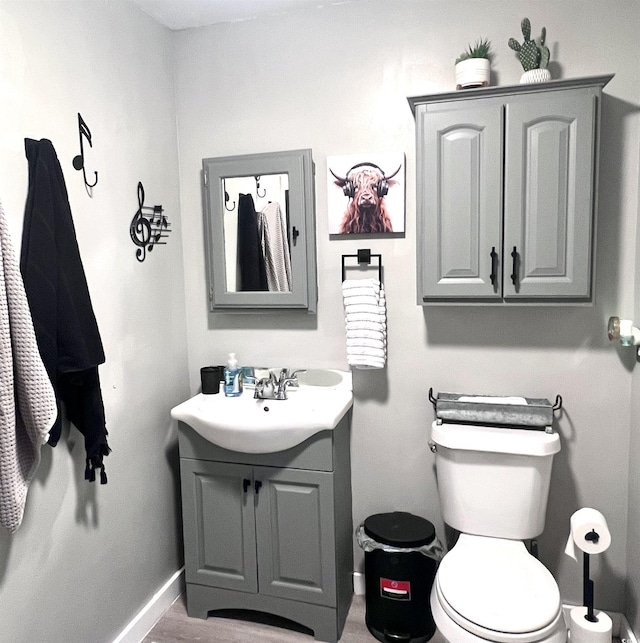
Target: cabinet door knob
[494,266]
[257,486]
[245,484]
[514,268]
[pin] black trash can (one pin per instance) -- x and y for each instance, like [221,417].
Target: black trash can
[400,561]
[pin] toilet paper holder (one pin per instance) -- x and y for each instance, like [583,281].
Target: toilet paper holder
[624,331]
[589,531]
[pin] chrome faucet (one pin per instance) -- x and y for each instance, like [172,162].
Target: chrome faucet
[286,379]
[270,388]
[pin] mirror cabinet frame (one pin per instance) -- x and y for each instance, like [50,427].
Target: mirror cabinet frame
[298,165]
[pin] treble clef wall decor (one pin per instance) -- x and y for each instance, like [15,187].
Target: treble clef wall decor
[148,226]
[78,161]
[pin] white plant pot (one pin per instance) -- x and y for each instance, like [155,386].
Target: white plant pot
[535,76]
[473,72]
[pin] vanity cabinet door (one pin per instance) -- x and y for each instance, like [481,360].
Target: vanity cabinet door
[549,170]
[296,535]
[218,523]
[460,201]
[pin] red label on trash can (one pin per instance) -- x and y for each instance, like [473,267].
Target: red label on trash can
[398,590]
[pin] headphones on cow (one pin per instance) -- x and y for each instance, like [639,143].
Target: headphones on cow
[382,186]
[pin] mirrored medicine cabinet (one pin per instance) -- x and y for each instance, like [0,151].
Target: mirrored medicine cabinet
[260,232]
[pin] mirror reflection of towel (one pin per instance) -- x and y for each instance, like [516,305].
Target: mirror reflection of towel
[63,317]
[275,248]
[252,274]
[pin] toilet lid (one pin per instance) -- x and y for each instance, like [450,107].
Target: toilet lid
[496,584]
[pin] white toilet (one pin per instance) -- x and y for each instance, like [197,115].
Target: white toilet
[493,485]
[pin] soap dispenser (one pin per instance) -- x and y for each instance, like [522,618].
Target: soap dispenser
[232,377]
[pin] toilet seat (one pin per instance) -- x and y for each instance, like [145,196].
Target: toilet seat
[495,589]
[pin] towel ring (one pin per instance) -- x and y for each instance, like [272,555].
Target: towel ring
[364,256]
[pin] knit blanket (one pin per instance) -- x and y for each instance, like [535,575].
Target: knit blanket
[27,400]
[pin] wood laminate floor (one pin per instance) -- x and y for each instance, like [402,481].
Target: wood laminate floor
[176,627]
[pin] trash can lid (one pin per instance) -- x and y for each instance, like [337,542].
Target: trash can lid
[400,529]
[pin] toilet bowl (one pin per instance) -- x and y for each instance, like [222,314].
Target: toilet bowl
[506,595]
[493,484]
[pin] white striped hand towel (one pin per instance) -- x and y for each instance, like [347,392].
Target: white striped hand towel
[365,322]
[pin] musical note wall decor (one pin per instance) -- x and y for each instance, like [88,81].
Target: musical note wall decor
[149,226]
[78,161]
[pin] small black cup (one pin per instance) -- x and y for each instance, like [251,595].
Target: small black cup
[211,376]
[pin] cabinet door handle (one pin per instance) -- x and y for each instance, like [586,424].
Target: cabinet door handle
[494,266]
[514,267]
[245,484]
[257,486]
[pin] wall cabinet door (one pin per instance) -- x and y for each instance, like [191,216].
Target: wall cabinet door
[296,535]
[549,172]
[219,524]
[460,191]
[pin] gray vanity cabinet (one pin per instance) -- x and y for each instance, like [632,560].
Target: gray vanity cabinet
[270,532]
[506,184]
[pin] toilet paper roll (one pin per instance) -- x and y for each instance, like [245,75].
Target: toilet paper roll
[584,631]
[584,523]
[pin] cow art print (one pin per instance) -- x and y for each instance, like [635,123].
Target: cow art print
[366,194]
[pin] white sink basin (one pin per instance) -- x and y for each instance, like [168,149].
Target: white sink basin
[263,426]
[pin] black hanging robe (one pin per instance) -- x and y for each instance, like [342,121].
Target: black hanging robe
[63,318]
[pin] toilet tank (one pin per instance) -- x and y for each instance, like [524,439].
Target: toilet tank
[494,481]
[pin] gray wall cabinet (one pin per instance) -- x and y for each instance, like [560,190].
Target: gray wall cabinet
[270,532]
[506,182]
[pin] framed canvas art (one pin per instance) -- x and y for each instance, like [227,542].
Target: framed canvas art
[366,193]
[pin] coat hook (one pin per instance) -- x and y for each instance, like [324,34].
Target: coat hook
[227,199]
[261,196]
[78,161]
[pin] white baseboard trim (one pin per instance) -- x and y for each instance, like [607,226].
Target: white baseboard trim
[621,627]
[150,614]
[358,583]
[626,633]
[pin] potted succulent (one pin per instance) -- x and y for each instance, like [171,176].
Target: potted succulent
[473,66]
[533,57]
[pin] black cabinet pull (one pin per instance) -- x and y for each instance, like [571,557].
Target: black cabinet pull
[494,266]
[245,484]
[514,269]
[257,485]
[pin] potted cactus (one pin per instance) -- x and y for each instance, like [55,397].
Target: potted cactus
[473,66]
[533,57]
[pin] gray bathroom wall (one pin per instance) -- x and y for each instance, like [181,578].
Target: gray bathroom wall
[633,540]
[88,557]
[335,79]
